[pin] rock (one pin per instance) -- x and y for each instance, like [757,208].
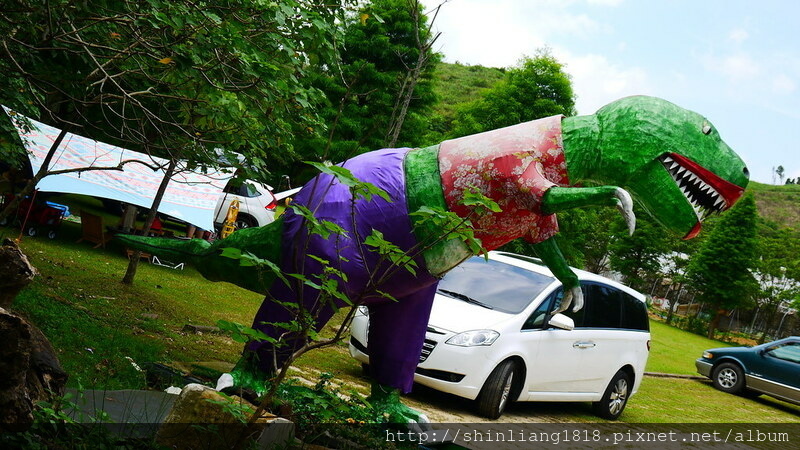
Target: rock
[204,418]
[30,371]
[199,329]
[15,272]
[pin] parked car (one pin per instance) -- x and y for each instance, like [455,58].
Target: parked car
[256,204]
[772,369]
[493,337]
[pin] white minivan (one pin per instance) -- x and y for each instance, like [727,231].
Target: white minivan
[492,337]
[256,204]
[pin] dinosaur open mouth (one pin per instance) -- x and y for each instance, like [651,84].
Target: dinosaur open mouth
[705,191]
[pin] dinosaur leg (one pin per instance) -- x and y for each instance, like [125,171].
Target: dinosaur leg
[396,336]
[560,199]
[551,256]
[261,360]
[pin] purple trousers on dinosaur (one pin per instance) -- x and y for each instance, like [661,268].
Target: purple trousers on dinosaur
[397,328]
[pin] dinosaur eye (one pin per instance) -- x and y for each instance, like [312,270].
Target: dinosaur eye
[706,128]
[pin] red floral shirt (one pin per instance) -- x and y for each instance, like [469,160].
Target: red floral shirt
[514,166]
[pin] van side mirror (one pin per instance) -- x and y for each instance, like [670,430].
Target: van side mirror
[562,322]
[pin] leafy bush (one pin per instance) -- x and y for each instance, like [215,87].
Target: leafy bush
[693,324]
[54,427]
[324,410]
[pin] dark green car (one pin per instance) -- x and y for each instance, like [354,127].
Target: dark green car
[772,369]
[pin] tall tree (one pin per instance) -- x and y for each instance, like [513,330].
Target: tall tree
[720,271]
[638,256]
[778,273]
[537,87]
[376,94]
[174,79]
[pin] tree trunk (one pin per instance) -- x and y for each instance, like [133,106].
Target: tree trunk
[406,93]
[771,314]
[16,272]
[712,326]
[29,368]
[130,273]
[671,312]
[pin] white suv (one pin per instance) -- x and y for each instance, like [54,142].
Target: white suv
[492,336]
[256,204]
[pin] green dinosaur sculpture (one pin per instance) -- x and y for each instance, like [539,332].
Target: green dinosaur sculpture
[671,161]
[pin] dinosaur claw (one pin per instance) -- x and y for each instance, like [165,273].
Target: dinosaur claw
[225,381]
[420,424]
[625,206]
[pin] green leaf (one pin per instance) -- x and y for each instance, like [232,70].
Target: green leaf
[474,198]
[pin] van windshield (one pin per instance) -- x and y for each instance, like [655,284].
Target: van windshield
[494,285]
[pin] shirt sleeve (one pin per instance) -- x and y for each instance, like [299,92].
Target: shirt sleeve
[536,186]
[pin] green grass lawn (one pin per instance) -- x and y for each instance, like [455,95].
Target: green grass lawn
[673,350]
[96,323]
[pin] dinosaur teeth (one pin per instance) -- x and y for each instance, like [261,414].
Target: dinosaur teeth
[702,197]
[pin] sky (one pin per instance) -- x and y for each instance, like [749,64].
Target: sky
[737,62]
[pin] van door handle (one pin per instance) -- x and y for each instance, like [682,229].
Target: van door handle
[579,344]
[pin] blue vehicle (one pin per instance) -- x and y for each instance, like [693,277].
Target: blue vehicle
[772,369]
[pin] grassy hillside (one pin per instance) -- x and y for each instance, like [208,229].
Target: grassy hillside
[456,85]
[778,204]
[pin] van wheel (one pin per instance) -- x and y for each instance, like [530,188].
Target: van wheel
[728,377]
[243,222]
[496,392]
[615,398]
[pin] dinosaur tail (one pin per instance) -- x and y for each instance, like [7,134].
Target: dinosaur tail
[219,261]
[175,250]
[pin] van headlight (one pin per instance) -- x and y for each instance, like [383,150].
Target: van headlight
[474,338]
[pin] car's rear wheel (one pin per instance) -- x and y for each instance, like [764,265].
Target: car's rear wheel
[497,391]
[615,398]
[728,377]
[243,221]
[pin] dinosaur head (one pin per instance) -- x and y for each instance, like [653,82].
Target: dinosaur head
[671,160]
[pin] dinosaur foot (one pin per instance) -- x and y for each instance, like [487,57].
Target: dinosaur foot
[245,380]
[574,297]
[387,400]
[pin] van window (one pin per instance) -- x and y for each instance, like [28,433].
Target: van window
[634,313]
[244,189]
[537,319]
[604,308]
[608,307]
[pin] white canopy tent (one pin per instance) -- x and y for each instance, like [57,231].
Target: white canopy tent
[191,196]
